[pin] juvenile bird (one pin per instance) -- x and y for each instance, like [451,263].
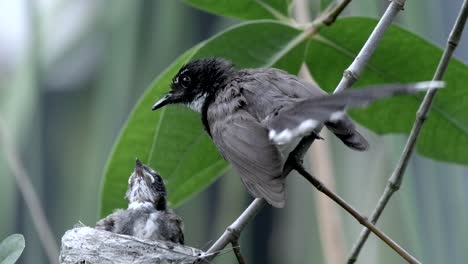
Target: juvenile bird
[147,215]
[256,117]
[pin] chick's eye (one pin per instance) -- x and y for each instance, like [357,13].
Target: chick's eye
[185,81]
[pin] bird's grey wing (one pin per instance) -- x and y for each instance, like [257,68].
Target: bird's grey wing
[176,226]
[346,131]
[106,224]
[268,90]
[304,116]
[244,142]
[180,238]
[271,90]
[285,83]
[109,222]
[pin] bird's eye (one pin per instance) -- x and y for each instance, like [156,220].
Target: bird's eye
[185,81]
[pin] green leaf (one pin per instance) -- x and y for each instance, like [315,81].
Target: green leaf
[400,57]
[172,140]
[11,249]
[245,9]
[135,140]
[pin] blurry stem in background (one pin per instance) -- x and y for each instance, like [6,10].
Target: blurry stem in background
[331,229]
[329,220]
[396,178]
[30,196]
[23,181]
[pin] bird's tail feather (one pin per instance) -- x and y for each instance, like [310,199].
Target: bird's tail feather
[306,115]
[346,131]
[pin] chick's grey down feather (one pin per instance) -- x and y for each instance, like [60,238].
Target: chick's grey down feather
[145,223]
[147,215]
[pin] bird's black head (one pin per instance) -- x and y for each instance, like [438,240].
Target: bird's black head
[146,185]
[195,81]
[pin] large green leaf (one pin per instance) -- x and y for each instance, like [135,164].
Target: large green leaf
[135,140]
[171,140]
[401,57]
[11,249]
[245,9]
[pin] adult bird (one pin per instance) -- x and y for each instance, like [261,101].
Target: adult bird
[256,117]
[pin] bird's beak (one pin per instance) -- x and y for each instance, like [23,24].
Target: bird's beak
[162,102]
[138,168]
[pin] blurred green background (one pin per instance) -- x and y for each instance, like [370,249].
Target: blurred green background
[70,72]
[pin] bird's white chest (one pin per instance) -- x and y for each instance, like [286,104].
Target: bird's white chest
[149,229]
[139,205]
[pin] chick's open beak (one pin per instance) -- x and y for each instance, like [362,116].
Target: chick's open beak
[138,168]
[162,102]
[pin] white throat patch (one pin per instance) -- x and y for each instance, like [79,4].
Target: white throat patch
[197,104]
[139,205]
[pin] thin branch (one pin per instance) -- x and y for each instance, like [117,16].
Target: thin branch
[329,16]
[235,229]
[30,196]
[334,11]
[396,178]
[352,73]
[361,219]
[297,155]
[237,252]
